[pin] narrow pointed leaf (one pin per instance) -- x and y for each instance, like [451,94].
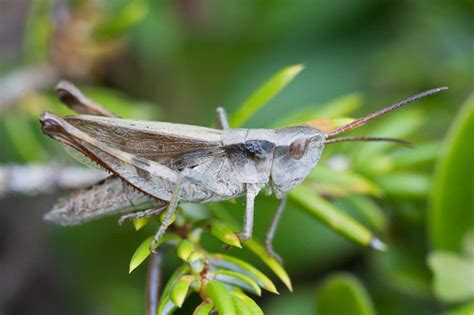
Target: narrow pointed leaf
[336,219]
[203,309]
[251,305]
[271,262]
[257,249]
[224,233]
[166,306]
[184,250]
[264,93]
[240,307]
[238,279]
[337,108]
[143,251]
[344,182]
[452,198]
[220,297]
[240,266]
[370,211]
[179,292]
[140,222]
[391,127]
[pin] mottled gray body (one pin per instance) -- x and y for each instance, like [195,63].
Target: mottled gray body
[150,156]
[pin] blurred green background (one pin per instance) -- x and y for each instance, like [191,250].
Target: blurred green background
[177,61]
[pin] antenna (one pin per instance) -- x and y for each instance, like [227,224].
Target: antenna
[361,121]
[367,139]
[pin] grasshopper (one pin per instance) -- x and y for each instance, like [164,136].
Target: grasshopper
[157,165]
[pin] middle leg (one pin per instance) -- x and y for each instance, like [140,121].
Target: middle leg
[247,231]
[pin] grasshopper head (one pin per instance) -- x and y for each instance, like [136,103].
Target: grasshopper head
[297,152]
[298,149]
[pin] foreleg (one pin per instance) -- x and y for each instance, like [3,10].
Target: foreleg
[170,211]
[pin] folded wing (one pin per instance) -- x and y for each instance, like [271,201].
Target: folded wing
[174,145]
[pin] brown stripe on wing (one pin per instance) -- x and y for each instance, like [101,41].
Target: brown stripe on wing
[166,149]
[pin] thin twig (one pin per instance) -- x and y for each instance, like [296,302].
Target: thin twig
[45,178]
[154,278]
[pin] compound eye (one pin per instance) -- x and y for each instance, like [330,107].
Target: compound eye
[297,148]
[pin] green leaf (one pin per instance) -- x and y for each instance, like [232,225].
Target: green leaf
[453,276]
[370,211]
[240,307]
[271,262]
[240,266]
[264,93]
[343,182]
[220,297]
[184,250]
[420,154]
[333,217]
[405,185]
[397,125]
[238,279]
[253,307]
[140,222]
[179,292]
[452,199]
[203,309]
[166,306]
[143,251]
[343,294]
[337,108]
[224,233]
[257,249]
[134,12]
